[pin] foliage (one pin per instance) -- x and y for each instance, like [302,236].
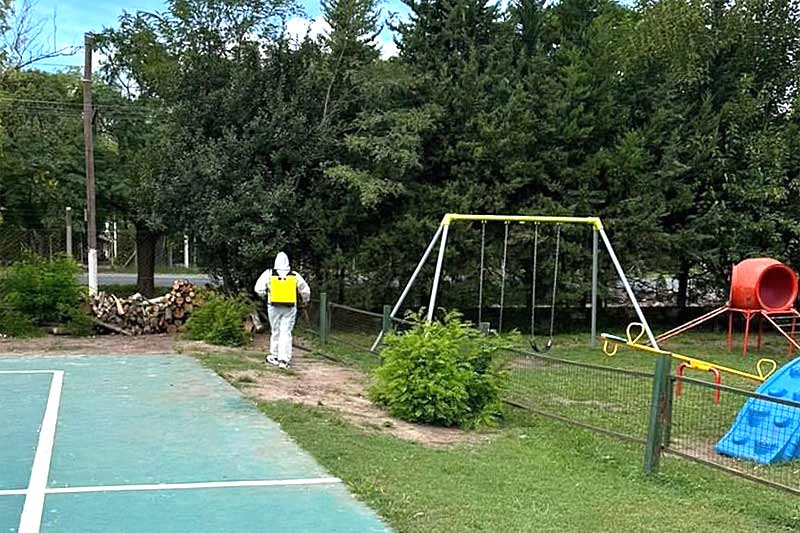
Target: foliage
[79,324]
[42,291]
[444,373]
[675,121]
[15,324]
[220,320]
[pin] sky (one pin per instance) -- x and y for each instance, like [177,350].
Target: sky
[76,17]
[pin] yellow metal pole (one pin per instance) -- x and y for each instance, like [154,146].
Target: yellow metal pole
[594,221]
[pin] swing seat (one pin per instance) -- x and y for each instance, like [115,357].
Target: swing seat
[535,347]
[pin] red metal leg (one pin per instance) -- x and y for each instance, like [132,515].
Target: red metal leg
[760,332]
[730,331]
[678,382]
[792,334]
[747,319]
[717,382]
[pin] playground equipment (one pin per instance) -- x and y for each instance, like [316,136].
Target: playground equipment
[768,431]
[440,237]
[763,288]
[612,343]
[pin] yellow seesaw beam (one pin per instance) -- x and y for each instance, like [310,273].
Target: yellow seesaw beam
[691,362]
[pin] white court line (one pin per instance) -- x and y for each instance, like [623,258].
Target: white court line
[14,492]
[31,519]
[200,485]
[182,486]
[30,371]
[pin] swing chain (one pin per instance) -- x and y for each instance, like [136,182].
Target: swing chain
[555,282]
[549,343]
[533,282]
[480,283]
[503,279]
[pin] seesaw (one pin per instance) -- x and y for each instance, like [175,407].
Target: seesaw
[612,343]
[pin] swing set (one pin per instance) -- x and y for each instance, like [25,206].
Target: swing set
[598,232]
[503,270]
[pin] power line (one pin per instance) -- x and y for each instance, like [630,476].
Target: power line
[74,112]
[64,103]
[56,65]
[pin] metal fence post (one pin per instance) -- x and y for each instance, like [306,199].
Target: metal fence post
[667,428]
[659,414]
[324,324]
[386,326]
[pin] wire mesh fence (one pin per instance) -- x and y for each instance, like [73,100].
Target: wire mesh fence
[610,400]
[16,243]
[710,421]
[307,324]
[354,328]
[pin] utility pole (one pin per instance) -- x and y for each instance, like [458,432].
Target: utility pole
[88,140]
[69,231]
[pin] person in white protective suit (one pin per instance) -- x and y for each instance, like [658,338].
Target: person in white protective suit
[282,287]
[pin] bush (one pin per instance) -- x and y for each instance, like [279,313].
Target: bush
[219,320]
[443,373]
[79,325]
[15,324]
[37,291]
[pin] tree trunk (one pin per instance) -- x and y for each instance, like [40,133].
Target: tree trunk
[146,242]
[683,284]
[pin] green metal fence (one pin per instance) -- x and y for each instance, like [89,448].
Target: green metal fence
[685,417]
[354,328]
[610,400]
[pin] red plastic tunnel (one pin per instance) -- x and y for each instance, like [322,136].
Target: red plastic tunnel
[763,283]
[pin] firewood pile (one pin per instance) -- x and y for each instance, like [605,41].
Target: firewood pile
[138,315]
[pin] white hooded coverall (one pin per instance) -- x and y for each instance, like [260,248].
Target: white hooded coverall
[281,317]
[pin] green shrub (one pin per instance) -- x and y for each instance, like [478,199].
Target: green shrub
[219,320]
[79,325]
[443,373]
[44,291]
[37,291]
[15,324]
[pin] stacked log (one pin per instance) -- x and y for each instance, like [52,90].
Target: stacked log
[138,315]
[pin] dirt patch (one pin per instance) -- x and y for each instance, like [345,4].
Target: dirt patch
[588,403]
[98,345]
[315,382]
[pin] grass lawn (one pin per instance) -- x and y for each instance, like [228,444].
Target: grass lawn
[535,474]
[532,475]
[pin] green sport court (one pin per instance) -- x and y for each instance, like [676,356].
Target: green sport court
[143,443]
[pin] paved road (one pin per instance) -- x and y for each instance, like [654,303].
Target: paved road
[162,280]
